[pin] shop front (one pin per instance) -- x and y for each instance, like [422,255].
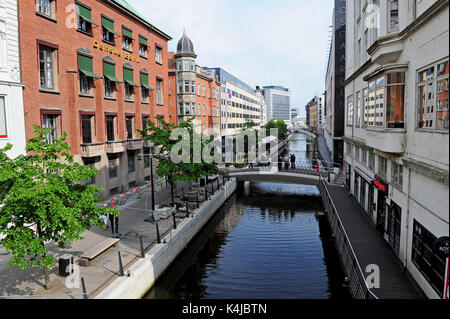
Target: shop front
[382,188]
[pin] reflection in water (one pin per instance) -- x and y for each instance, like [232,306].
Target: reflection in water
[272,242]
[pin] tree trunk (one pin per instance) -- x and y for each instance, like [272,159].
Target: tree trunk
[46,271]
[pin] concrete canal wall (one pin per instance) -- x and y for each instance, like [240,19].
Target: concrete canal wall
[146,271]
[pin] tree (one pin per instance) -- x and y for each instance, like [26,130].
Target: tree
[43,199]
[280,125]
[186,171]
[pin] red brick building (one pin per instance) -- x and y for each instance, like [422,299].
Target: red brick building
[95,70]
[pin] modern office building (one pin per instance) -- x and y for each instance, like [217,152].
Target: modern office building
[262,105]
[12,126]
[278,102]
[397,128]
[102,70]
[239,102]
[334,86]
[196,94]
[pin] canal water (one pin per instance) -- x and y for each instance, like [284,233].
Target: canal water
[271,241]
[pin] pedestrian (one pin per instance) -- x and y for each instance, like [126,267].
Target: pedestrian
[105,222]
[280,163]
[292,160]
[114,220]
[286,162]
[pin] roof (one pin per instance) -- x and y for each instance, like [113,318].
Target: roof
[124,4]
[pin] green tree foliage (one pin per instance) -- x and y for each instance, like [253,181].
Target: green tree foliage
[43,199]
[280,125]
[160,135]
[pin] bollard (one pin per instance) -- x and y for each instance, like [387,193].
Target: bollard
[206,194]
[187,210]
[198,202]
[120,265]
[142,247]
[158,237]
[139,192]
[212,188]
[113,202]
[83,287]
[174,221]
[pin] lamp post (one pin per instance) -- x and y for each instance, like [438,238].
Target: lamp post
[152,182]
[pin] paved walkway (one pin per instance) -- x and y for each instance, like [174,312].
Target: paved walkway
[372,249]
[15,282]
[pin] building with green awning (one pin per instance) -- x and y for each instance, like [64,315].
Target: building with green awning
[85,66]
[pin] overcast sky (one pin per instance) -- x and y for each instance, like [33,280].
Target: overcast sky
[261,42]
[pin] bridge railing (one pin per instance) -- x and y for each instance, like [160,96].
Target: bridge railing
[313,170]
[352,268]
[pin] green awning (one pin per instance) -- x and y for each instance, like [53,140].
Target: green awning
[109,70]
[85,13]
[128,77]
[143,40]
[127,32]
[109,25]
[144,81]
[85,66]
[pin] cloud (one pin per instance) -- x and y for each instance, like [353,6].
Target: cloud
[256,40]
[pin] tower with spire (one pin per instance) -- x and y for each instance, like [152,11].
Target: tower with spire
[186,78]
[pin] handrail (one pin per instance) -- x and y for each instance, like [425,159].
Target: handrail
[322,183]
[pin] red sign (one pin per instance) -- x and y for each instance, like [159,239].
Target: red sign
[379,184]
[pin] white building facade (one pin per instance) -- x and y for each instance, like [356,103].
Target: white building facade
[396,152]
[278,102]
[12,128]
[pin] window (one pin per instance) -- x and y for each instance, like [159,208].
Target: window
[350,110]
[146,154]
[193,87]
[145,87]
[89,162]
[395,93]
[159,93]
[198,89]
[84,19]
[85,84]
[51,121]
[113,165]
[393,15]
[365,107]
[357,153]
[433,112]
[3,126]
[144,122]
[363,156]
[86,128]
[143,47]
[397,173]
[186,87]
[371,160]
[129,91]
[129,126]
[158,55]
[430,265]
[108,30]
[46,67]
[127,39]
[382,166]
[358,109]
[131,162]
[144,94]
[46,7]
[109,71]
[204,90]
[110,119]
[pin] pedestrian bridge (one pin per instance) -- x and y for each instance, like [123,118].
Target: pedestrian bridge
[300,175]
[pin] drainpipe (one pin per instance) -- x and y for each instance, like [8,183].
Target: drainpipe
[407,218]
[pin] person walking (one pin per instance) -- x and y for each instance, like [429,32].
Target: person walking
[286,162]
[293,161]
[280,163]
[114,220]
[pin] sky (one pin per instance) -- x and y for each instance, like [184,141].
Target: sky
[261,42]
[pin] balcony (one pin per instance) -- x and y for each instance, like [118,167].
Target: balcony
[386,49]
[115,146]
[135,144]
[92,149]
[386,140]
